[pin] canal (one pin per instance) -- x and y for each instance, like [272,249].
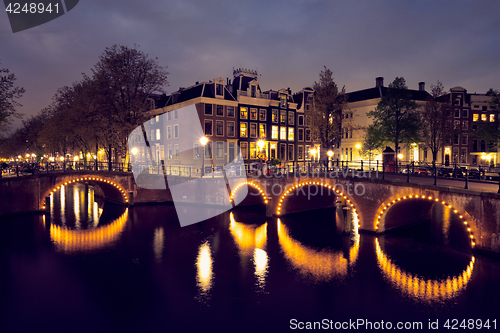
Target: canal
[98,267]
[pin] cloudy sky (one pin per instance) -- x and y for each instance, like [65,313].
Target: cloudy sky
[288,42]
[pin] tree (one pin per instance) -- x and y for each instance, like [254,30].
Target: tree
[436,127]
[8,99]
[124,78]
[328,105]
[373,142]
[490,130]
[396,115]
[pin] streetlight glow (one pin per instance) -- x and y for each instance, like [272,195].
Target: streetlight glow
[400,156]
[203,140]
[135,151]
[330,153]
[261,144]
[358,145]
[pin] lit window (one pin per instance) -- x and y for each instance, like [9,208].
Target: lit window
[283,101]
[492,118]
[157,134]
[290,133]
[243,130]
[275,116]
[243,113]
[283,117]
[483,117]
[262,130]
[475,117]
[262,114]
[253,114]
[282,133]
[274,133]
[253,150]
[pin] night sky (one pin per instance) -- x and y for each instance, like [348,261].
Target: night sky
[288,42]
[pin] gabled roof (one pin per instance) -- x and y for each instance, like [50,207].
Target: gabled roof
[204,89]
[378,92]
[245,83]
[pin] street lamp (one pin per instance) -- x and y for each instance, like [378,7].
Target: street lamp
[261,144]
[203,141]
[330,154]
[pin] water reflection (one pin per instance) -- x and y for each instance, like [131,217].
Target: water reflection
[204,276]
[158,244]
[85,240]
[420,288]
[321,265]
[251,241]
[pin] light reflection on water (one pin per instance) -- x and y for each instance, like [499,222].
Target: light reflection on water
[204,267]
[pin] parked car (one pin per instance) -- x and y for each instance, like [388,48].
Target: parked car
[423,172]
[450,172]
[473,173]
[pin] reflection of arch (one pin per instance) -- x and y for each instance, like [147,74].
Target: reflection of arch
[421,288]
[385,207]
[323,265]
[256,186]
[297,186]
[69,240]
[101,181]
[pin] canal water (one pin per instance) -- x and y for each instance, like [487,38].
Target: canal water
[98,267]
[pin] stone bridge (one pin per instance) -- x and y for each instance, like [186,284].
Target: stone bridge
[372,199]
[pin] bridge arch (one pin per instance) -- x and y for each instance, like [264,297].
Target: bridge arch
[111,189]
[251,184]
[382,210]
[348,198]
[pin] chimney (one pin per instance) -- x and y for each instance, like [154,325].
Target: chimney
[421,86]
[379,82]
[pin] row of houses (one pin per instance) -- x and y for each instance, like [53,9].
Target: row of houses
[241,121]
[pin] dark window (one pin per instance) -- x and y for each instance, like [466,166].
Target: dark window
[252,88]
[220,110]
[220,128]
[208,109]
[218,89]
[230,111]
[262,114]
[283,151]
[300,120]
[300,134]
[208,127]
[230,128]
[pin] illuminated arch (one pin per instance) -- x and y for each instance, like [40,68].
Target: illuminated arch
[419,287]
[382,210]
[83,179]
[323,265]
[330,187]
[252,184]
[68,240]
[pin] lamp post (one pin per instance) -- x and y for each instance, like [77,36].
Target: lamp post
[261,144]
[203,141]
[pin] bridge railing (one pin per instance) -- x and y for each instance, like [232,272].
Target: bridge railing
[24,169]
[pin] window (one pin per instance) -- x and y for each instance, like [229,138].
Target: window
[290,133]
[475,117]
[350,133]
[244,149]
[282,101]
[219,128]
[208,127]
[300,134]
[253,130]
[456,124]
[465,113]
[300,119]
[455,139]
[465,125]
[274,132]
[176,151]
[463,155]
[169,115]
[253,114]
[485,108]
[169,152]
[455,154]
[196,150]
[176,114]
[219,152]
[282,151]
[243,130]
[208,109]
[464,139]
[262,131]
[290,152]
[483,117]
[220,110]
[157,118]
[253,150]
[243,113]
[230,111]
[300,153]
[252,91]
[152,135]
[308,134]
[219,90]
[476,106]
[492,118]
[457,113]
[283,117]
[208,150]
[230,128]
[169,132]
[291,118]
[308,152]
[262,114]
[157,134]
[275,116]
[282,133]
[176,131]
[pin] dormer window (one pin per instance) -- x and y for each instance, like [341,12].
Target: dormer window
[283,101]
[219,89]
[252,91]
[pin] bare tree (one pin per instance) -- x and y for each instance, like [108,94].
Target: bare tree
[8,100]
[436,127]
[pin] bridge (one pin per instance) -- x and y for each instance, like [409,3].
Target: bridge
[372,199]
